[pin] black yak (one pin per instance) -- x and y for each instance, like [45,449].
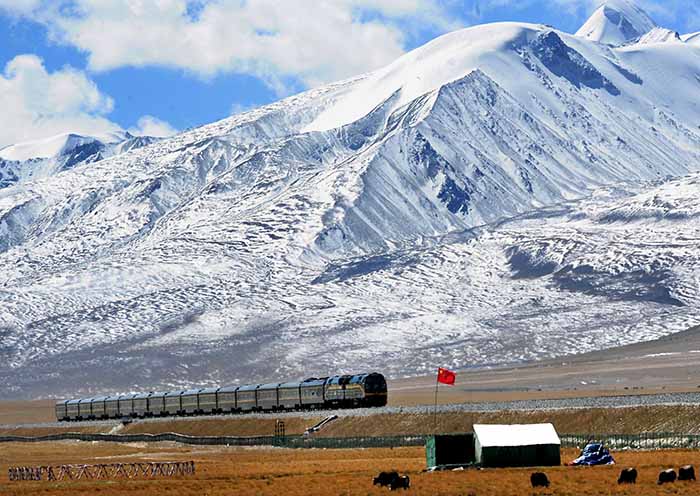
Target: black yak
[668,475]
[386,478]
[686,473]
[402,481]
[628,476]
[539,479]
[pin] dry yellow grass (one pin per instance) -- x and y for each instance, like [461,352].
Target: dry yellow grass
[241,425]
[228,471]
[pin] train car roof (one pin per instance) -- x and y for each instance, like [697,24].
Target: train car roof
[99,398]
[174,393]
[73,402]
[314,382]
[140,396]
[268,386]
[85,400]
[127,396]
[228,389]
[62,402]
[248,387]
[290,385]
[159,393]
[209,390]
[191,392]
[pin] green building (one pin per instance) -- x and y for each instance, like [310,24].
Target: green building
[449,450]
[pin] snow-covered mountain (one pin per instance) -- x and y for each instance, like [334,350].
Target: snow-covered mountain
[617,22]
[501,193]
[43,158]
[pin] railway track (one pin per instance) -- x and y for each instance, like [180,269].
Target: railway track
[490,406]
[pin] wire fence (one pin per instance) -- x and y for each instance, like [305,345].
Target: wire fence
[642,441]
[281,441]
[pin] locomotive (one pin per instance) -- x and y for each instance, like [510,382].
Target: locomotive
[339,391]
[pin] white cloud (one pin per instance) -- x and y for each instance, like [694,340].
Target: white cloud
[315,41]
[152,126]
[35,103]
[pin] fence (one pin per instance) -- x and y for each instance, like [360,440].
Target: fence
[102,471]
[643,441]
[613,441]
[283,441]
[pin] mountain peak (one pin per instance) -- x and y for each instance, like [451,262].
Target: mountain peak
[616,22]
[661,35]
[54,146]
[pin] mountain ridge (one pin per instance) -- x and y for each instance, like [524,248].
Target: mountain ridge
[31,160]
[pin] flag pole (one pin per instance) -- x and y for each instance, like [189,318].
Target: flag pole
[437,384]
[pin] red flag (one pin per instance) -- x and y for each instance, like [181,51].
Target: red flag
[446,376]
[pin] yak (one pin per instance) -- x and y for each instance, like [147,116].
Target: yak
[686,473]
[668,475]
[402,481]
[628,476]
[539,479]
[386,478]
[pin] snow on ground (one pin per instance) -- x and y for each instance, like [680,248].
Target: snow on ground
[575,277]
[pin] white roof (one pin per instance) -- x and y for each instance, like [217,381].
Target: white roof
[515,435]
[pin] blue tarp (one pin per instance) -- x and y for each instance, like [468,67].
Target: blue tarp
[594,454]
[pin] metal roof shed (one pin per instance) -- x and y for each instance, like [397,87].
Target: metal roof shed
[528,445]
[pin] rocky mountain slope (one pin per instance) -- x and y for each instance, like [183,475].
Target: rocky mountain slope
[502,193]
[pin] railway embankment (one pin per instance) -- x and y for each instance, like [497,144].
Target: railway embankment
[395,421]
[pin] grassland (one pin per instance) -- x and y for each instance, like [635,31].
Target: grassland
[226,471]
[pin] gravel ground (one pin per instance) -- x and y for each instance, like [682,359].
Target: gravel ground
[522,405]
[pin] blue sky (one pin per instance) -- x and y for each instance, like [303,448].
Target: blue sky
[158,66]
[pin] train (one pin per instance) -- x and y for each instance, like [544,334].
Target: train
[338,391]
